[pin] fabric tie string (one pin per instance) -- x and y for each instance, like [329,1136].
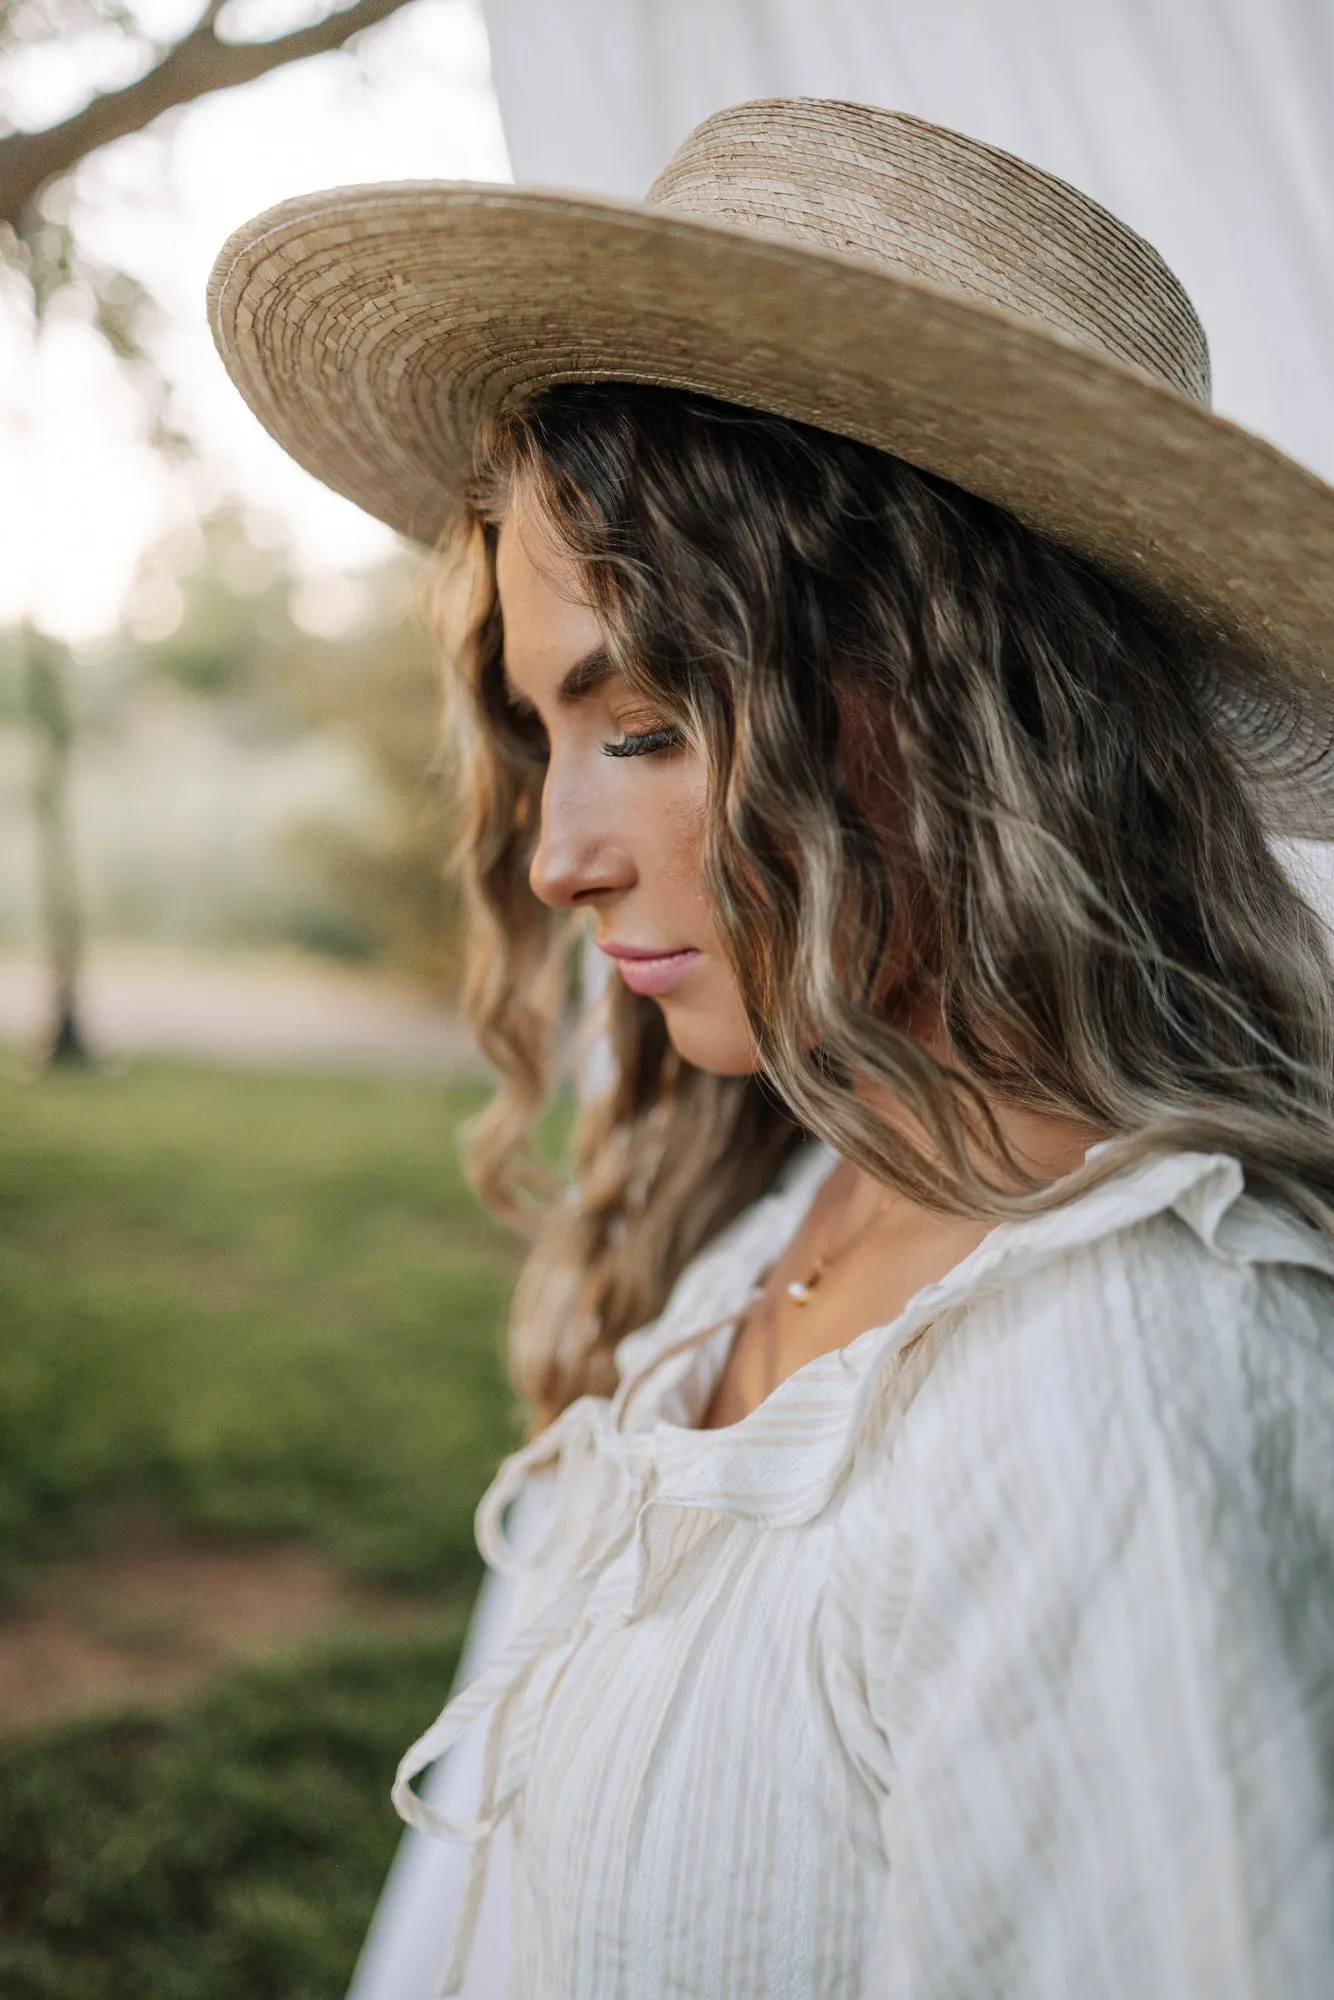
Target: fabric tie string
[499,1689]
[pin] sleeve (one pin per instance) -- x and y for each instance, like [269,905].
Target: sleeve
[1098,1645]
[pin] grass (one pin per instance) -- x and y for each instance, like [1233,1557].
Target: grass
[256,1305]
[234,1847]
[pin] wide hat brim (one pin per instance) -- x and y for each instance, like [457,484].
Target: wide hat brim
[372,329]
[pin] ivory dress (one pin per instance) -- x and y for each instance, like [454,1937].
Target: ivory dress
[990,1658]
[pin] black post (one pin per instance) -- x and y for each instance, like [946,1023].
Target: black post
[61,912]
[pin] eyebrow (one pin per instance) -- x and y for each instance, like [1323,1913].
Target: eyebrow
[586,675]
[583,678]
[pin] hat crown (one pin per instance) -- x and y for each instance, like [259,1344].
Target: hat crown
[951,211]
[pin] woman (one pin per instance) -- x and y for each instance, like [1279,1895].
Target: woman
[894,670]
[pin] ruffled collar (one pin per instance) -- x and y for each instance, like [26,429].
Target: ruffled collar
[782,1462]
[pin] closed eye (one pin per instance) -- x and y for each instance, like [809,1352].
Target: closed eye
[645,742]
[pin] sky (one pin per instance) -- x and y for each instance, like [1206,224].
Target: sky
[83,496]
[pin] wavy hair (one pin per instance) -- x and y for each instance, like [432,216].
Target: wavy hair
[936,743]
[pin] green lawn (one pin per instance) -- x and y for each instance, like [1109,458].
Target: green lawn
[246,1306]
[257,1304]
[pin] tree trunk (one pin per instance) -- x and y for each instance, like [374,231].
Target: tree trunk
[61,911]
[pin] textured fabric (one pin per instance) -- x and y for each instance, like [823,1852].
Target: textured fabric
[991,1654]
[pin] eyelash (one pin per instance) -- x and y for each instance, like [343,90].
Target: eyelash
[645,744]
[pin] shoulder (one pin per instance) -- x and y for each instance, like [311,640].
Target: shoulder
[1175,1288]
[1163,1349]
[1113,1462]
[1080,1618]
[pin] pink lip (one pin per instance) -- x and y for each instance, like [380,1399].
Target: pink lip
[651,972]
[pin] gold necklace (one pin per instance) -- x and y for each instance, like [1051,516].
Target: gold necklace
[802,1290]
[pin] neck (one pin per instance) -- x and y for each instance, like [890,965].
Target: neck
[1041,1145]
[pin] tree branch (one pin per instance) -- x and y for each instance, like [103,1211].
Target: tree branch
[197,65]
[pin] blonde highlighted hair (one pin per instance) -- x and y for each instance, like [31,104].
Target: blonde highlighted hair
[933,739]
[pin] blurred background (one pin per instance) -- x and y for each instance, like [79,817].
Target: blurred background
[250,1378]
[250,1382]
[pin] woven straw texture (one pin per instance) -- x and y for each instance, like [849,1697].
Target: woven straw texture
[848,267]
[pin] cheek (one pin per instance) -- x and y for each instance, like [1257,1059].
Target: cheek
[671,817]
[705,1019]
[682,838]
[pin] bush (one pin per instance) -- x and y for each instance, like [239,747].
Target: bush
[233,1848]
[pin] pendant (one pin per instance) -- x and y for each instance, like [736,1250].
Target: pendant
[801,1291]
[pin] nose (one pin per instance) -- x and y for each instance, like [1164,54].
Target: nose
[579,861]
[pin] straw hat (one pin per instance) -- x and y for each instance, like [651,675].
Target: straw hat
[848,267]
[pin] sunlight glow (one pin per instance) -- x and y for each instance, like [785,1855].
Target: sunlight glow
[84,493]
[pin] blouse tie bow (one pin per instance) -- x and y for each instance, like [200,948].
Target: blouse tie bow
[618,1486]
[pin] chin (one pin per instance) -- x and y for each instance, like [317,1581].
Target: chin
[714,1040]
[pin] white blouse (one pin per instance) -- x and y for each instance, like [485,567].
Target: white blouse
[991,1655]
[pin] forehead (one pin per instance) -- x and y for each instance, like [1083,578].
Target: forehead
[548,622]
[534,568]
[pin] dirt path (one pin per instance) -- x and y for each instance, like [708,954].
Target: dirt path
[98,1632]
[260,1009]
